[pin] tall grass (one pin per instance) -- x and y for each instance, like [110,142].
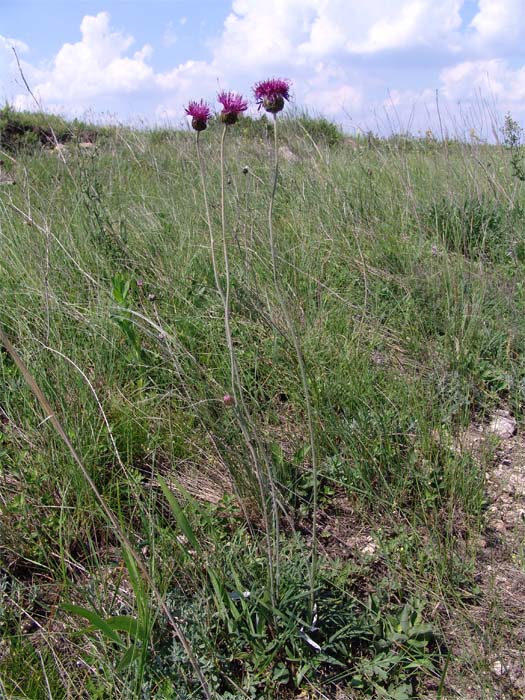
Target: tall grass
[373,309]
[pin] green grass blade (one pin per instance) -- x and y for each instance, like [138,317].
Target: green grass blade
[180,516]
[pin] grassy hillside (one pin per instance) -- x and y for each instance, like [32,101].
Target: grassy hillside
[291,480]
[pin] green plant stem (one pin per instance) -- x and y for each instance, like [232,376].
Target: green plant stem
[227,310]
[302,368]
[249,431]
[208,219]
[249,434]
[125,541]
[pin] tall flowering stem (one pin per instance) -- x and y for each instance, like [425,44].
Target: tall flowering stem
[208,218]
[259,458]
[226,297]
[271,95]
[235,104]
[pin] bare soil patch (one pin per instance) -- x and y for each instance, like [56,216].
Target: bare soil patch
[488,645]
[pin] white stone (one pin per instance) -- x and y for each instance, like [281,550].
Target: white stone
[502,426]
[498,669]
[370,547]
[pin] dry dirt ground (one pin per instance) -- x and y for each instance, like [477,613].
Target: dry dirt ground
[489,643]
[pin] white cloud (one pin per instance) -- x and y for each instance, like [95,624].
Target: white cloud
[294,38]
[492,77]
[7,45]
[294,31]
[268,31]
[330,90]
[332,102]
[499,21]
[95,66]
[414,23]
[188,80]
[350,26]
[314,42]
[263,35]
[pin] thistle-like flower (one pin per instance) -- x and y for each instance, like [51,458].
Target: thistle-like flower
[232,105]
[200,112]
[272,93]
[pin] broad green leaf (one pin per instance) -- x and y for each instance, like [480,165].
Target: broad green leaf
[96,621]
[126,623]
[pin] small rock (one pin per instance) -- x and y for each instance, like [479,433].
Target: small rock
[503,426]
[498,669]
[499,526]
[370,547]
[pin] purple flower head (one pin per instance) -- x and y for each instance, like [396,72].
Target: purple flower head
[272,93]
[200,112]
[232,105]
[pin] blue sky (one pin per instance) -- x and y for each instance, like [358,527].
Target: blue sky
[366,65]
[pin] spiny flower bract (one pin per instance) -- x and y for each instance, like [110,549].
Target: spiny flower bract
[272,93]
[200,113]
[232,105]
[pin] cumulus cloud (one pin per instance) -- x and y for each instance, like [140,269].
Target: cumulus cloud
[188,80]
[295,31]
[332,102]
[350,26]
[491,77]
[499,22]
[7,45]
[94,67]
